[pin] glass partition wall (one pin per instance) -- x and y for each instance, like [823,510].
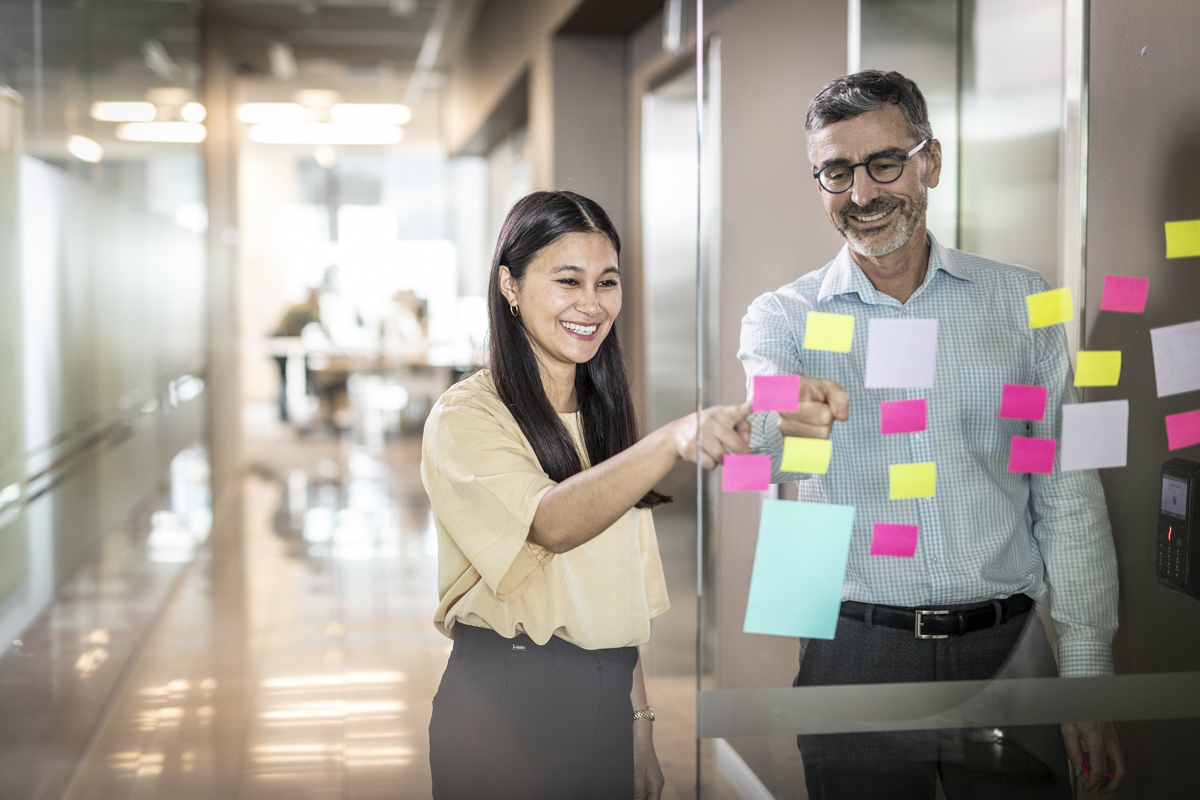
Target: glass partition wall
[102,278]
[1012,87]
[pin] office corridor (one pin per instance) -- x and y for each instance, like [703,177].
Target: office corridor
[295,657]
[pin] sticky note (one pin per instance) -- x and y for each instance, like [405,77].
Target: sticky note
[806,455]
[1050,308]
[901,353]
[1125,294]
[1095,435]
[1183,430]
[1183,239]
[889,539]
[799,568]
[745,473]
[1031,455]
[828,331]
[902,416]
[1097,367]
[1018,401]
[776,393]
[911,480]
[1176,358]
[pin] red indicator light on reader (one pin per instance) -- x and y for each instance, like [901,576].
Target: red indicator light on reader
[1169,529]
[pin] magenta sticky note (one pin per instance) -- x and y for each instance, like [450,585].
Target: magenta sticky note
[1018,401]
[889,539]
[1031,455]
[776,393]
[1122,293]
[902,416]
[1183,430]
[745,473]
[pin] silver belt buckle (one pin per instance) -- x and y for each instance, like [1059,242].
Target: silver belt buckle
[921,614]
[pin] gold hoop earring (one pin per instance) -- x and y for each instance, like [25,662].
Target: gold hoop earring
[513,310]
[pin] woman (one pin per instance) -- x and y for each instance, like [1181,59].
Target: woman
[548,567]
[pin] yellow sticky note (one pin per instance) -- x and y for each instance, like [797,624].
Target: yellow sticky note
[911,480]
[1183,239]
[1050,308]
[806,455]
[828,331]
[1097,367]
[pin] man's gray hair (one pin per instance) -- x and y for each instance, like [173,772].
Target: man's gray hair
[851,95]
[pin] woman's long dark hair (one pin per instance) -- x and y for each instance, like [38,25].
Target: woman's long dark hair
[601,384]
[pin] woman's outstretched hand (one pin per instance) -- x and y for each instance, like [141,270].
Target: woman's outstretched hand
[721,430]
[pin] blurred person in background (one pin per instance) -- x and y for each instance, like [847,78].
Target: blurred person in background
[549,572]
[293,323]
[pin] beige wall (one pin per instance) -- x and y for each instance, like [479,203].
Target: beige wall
[776,55]
[1143,170]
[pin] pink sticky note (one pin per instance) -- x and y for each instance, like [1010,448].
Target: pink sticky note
[1126,294]
[889,539]
[776,393]
[1022,402]
[902,416]
[1031,455]
[745,473]
[1183,430]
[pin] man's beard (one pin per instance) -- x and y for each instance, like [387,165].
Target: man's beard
[894,236]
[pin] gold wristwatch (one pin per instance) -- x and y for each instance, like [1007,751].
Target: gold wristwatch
[646,713]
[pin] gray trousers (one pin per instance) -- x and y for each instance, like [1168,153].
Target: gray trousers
[1026,762]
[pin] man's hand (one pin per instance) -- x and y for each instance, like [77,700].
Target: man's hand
[821,402]
[1095,746]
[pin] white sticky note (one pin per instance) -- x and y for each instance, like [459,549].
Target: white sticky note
[1177,358]
[901,353]
[1095,435]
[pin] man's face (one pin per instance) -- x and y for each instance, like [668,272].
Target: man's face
[876,218]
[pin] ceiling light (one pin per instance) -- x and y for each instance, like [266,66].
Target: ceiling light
[193,112]
[380,113]
[85,149]
[182,132]
[123,112]
[325,133]
[326,156]
[271,112]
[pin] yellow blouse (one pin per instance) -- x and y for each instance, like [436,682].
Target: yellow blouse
[485,483]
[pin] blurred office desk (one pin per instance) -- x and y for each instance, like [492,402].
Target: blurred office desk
[399,383]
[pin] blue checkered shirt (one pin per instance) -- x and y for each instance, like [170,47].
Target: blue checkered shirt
[988,533]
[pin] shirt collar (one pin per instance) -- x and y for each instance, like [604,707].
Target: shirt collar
[846,277]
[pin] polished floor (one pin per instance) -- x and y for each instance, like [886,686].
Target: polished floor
[292,657]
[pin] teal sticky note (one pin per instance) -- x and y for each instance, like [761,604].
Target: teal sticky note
[799,567]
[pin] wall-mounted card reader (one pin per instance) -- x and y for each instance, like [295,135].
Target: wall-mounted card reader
[1178,555]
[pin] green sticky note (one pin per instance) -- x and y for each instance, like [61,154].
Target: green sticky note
[828,331]
[1097,367]
[1183,239]
[806,455]
[799,568]
[1050,308]
[911,480]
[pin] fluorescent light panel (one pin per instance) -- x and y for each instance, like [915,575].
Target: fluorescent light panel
[181,132]
[123,112]
[193,112]
[382,113]
[271,112]
[315,133]
[85,149]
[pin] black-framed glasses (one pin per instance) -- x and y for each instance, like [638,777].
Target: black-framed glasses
[883,168]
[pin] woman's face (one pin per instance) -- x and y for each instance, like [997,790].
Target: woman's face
[568,299]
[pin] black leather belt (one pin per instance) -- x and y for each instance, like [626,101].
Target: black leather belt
[940,623]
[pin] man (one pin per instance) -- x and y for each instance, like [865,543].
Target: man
[991,541]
